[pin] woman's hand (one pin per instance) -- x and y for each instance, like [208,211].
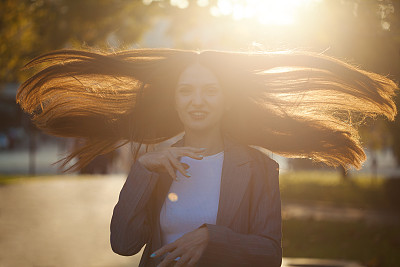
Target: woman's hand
[167,159]
[189,248]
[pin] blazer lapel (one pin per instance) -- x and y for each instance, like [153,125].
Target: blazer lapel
[235,177]
[161,191]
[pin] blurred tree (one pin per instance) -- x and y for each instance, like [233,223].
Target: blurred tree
[31,27]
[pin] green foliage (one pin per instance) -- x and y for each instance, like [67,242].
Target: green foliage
[392,192]
[372,245]
[360,191]
[31,28]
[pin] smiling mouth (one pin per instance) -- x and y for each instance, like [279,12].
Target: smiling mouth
[198,115]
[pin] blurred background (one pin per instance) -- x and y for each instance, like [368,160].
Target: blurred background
[48,218]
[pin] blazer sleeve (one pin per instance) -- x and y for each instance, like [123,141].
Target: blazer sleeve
[262,247]
[130,229]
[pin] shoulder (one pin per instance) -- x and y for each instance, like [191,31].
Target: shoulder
[262,165]
[263,171]
[259,155]
[259,159]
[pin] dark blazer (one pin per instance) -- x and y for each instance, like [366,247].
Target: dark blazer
[248,227]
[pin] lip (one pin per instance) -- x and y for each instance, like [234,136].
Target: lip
[198,114]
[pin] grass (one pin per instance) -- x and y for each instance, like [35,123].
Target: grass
[359,191]
[10,179]
[372,245]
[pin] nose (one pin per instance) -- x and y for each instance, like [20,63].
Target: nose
[198,99]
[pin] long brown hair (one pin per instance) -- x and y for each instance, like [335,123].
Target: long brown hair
[297,104]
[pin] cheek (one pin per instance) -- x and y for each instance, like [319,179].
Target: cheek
[218,102]
[180,103]
[218,106]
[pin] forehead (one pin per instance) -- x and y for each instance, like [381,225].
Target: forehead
[197,74]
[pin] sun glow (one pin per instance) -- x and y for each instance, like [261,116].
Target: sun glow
[266,12]
[275,12]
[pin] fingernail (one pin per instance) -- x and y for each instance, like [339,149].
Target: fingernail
[188,174]
[201,156]
[153,255]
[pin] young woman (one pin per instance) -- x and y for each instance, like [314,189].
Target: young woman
[210,199]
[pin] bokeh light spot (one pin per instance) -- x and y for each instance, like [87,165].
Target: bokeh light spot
[272,12]
[180,3]
[173,197]
[202,3]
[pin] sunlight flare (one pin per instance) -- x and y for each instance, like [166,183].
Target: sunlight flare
[273,12]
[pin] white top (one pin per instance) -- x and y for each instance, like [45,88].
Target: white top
[192,201]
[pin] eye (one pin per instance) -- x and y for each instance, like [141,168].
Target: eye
[212,90]
[184,90]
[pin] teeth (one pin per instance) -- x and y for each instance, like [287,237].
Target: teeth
[198,115]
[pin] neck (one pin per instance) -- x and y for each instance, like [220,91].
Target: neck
[212,140]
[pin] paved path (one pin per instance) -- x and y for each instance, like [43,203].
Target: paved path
[65,222]
[60,222]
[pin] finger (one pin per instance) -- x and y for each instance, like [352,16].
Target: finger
[192,261]
[193,155]
[187,151]
[183,260]
[185,166]
[195,256]
[182,151]
[170,257]
[193,149]
[178,165]
[163,250]
[170,169]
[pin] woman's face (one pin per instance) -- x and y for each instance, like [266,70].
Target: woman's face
[199,99]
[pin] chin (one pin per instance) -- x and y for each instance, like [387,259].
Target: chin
[205,125]
[200,127]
